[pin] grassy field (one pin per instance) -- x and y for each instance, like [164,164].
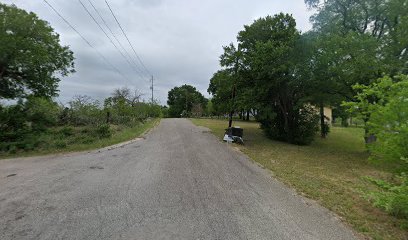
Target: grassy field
[331,171]
[72,139]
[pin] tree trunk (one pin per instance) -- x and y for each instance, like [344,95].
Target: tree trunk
[230,119]
[247,115]
[107,117]
[322,123]
[368,137]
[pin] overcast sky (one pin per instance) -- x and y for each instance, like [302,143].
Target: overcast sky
[179,41]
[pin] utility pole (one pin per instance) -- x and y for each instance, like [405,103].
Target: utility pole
[234,89]
[152,89]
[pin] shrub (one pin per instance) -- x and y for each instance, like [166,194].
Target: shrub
[87,139]
[67,131]
[103,131]
[384,107]
[301,129]
[393,198]
[41,113]
[60,144]
[12,149]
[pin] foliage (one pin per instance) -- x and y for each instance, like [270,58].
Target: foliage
[181,101]
[12,122]
[83,110]
[393,198]
[389,118]
[384,105]
[385,21]
[27,125]
[31,54]
[33,115]
[125,107]
[302,134]
[41,112]
[266,63]
[221,88]
[103,131]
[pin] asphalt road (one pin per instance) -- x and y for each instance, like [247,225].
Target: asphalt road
[179,182]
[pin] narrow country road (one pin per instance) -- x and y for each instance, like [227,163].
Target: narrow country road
[178,183]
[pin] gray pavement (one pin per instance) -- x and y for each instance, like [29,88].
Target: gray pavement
[179,182]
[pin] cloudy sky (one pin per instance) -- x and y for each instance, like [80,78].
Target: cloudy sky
[179,41]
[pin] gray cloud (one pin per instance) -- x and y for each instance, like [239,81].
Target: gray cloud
[178,40]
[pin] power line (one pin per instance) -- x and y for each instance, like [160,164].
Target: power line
[134,51]
[87,42]
[110,39]
[114,36]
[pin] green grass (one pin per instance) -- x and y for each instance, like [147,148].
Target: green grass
[56,140]
[331,171]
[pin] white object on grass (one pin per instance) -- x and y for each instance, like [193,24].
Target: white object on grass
[228,139]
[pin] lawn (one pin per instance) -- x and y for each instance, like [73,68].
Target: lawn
[72,139]
[331,171]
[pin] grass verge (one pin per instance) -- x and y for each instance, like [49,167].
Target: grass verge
[72,139]
[330,171]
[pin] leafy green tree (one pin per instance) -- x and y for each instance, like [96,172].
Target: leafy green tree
[385,105]
[85,111]
[13,125]
[333,63]
[385,21]
[182,99]
[41,112]
[269,49]
[221,87]
[30,55]
[389,121]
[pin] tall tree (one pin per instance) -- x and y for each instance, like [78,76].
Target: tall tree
[31,55]
[182,99]
[221,86]
[269,53]
[386,21]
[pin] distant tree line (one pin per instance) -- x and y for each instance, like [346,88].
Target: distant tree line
[186,101]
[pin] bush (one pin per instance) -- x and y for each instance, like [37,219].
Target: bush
[83,111]
[103,131]
[387,117]
[393,198]
[60,144]
[67,131]
[12,149]
[41,113]
[301,130]
[87,139]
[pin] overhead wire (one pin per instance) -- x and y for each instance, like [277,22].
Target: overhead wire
[87,42]
[110,39]
[131,45]
[114,35]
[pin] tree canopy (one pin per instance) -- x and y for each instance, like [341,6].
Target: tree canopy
[31,56]
[183,99]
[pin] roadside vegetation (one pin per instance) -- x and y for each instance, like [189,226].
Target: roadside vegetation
[333,171]
[38,125]
[31,121]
